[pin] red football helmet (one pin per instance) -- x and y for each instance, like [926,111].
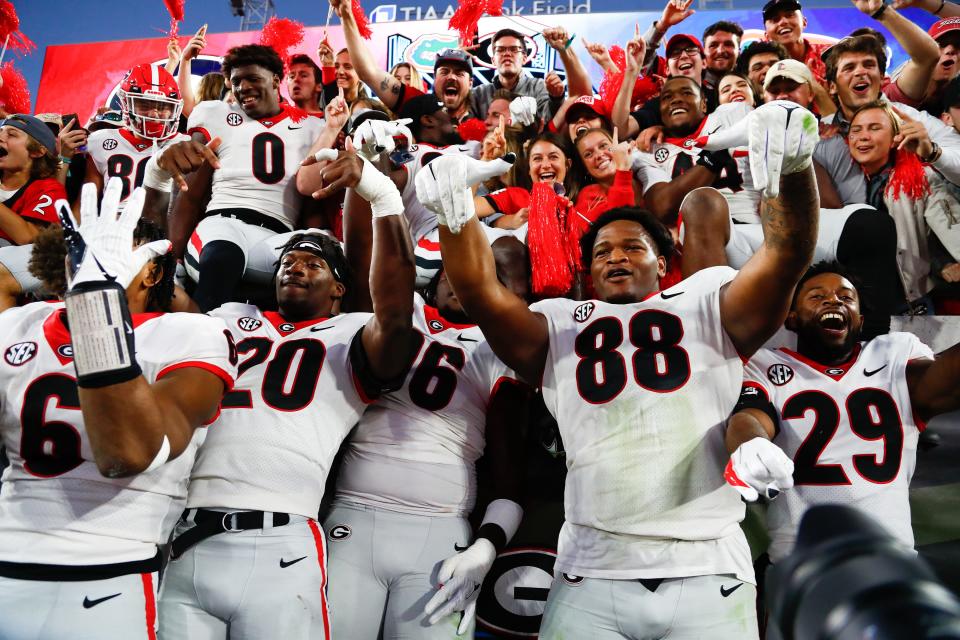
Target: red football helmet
[150,101]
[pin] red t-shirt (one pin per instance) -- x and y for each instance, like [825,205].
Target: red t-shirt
[508,200]
[593,200]
[34,201]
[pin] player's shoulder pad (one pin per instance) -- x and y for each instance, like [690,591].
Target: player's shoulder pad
[234,310]
[911,346]
[98,136]
[709,279]
[732,112]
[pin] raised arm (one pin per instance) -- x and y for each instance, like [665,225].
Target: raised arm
[754,305]
[578,81]
[387,88]
[388,337]
[184,78]
[134,426]
[337,113]
[935,384]
[941,9]
[620,116]
[922,50]
[517,335]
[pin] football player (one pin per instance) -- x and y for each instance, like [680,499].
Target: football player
[848,412]
[249,177]
[407,481]
[150,103]
[249,558]
[639,382]
[100,440]
[28,189]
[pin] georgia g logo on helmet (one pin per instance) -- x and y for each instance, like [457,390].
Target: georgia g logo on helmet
[150,101]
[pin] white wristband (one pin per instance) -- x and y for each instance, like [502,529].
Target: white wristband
[162,455]
[504,513]
[155,177]
[379,190]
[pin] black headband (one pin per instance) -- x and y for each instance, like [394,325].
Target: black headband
[314,247]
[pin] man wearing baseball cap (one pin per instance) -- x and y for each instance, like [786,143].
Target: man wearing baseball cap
[946,32]
[791,80]
[784,23]
[28,189]
[453,71]
[430,122]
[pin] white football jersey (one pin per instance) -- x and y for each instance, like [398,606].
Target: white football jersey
[415,449]
[55,507]
[259,159]
[641,393]
[850,430]
[294,402]
[671,158]
[419,219]
[121,153]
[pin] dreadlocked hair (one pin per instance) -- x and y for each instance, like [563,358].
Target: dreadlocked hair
[252,54]
[332,254]
[161,293]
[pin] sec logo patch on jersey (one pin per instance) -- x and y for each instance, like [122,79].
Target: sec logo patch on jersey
[780,374]
[234,119]
[249,324]
[661,155]
[20,353]
[583,312]
[109,144]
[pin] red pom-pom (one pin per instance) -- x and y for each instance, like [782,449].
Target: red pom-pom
[472,129]
[361,19]
[548,240]
[10,30]
[296,114]
[908,177]
[282,34]
[15,93]
[468,14]
[644,88]
[175,8]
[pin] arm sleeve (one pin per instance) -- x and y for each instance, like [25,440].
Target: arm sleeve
[648,115]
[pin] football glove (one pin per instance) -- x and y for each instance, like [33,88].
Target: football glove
[780,136]
[759,466]
[444,185]
[460,578]
[374,137]
[523,110]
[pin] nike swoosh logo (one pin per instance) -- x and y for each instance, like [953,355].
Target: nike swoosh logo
[103,271]
[870,373]
[727,592]
[462,339]
[314,329]
[284,565]
[293,128]
[667,296]
[458,548]
[88,603]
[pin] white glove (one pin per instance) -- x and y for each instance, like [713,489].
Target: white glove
[759,466]
[523,110]
[444,185]
[374,137]
[460,578]
[101,247]
[780,135]
[375,187]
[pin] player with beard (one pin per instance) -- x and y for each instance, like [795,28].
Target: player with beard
[247,168]
[640,375]
[249,558]
[452,72]
[407,481]
[848,412]
[100,439]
